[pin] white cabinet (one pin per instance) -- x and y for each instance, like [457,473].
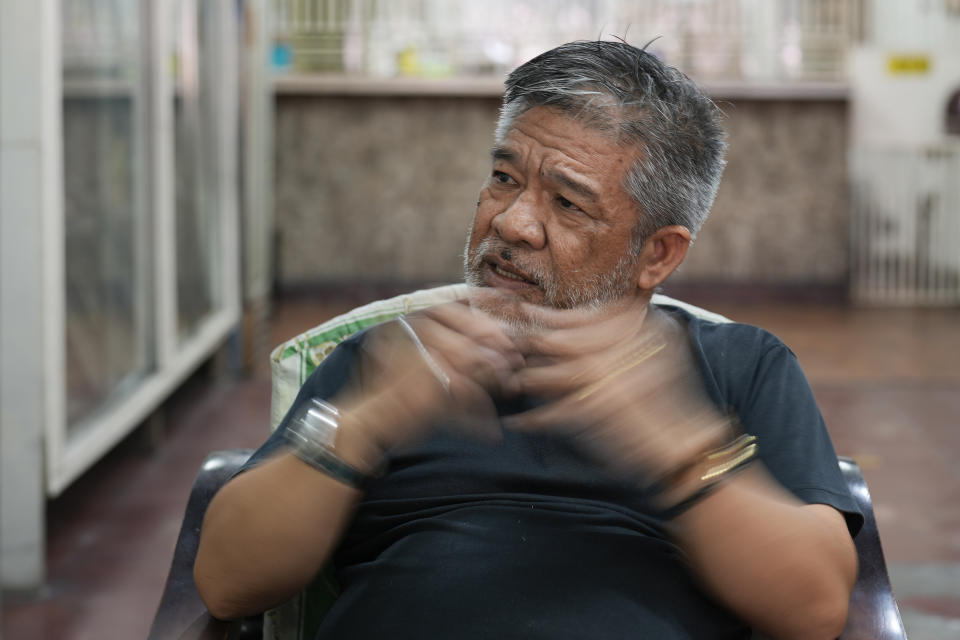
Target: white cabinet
[120,230]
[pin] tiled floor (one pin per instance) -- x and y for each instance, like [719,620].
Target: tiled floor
[888,383]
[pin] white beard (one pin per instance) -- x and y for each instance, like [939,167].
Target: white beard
[594,293]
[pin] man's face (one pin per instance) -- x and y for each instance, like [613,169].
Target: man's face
[553,224]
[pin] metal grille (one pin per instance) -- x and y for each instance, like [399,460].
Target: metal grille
[708,39]
[905,233]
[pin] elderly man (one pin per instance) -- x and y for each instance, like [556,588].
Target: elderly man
[555,457]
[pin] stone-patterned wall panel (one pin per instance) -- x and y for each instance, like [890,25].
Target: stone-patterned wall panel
[781,212]
[378,189]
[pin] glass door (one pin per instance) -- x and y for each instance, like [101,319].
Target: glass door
[106,221]
[197,238]
[150,282]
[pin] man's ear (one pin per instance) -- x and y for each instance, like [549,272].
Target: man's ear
[662,252]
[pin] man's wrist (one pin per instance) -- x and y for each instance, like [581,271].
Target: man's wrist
[333,443]
[698,480]
[357,443]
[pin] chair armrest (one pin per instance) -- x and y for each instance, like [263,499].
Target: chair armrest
[181,613]
[873,613]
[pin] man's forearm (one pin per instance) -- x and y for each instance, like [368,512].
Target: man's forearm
[271,529]
[267,533]
[784,567]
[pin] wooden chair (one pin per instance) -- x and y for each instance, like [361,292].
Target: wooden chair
[873,612]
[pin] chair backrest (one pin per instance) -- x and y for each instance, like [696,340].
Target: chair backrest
[292,362]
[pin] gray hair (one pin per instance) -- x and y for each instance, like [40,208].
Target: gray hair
[630,95]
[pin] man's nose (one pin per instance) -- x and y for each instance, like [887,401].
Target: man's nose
[521,222]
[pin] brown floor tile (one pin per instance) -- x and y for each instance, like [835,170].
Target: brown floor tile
[945,607]
[840,344]
[906,440]
[111,535]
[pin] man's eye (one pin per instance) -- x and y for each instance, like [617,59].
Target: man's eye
[566,204]
[502,178]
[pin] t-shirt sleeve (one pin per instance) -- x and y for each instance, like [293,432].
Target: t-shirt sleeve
[757,376]
[326,380]
[794,444]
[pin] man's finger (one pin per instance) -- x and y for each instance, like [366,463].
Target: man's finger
[558,416]
[553,378]
[486,366]
[475,325]
[586,333]
[479,419]
[553,318]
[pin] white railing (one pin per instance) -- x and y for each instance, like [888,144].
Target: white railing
[905,225]
[711,39]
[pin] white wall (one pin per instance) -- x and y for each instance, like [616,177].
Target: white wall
[901,107]
[913,24]
[29,272]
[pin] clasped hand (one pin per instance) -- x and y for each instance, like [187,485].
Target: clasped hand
[622,382]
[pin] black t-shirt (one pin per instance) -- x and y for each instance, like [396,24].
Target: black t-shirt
[530,538]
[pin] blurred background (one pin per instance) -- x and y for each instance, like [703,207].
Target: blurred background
[185,184]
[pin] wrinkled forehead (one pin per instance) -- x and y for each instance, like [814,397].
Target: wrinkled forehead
[558,136]
[597,112]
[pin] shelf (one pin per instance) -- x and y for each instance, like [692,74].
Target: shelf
[492,87]
[780,90]
[335,84]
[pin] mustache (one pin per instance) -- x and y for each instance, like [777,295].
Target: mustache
[507,253]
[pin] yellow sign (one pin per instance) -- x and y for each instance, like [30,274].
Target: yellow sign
[899,64]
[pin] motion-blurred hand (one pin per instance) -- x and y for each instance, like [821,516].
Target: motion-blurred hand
[462,359]
[629,391]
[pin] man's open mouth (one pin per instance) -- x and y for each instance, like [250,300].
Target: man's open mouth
[507,272]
